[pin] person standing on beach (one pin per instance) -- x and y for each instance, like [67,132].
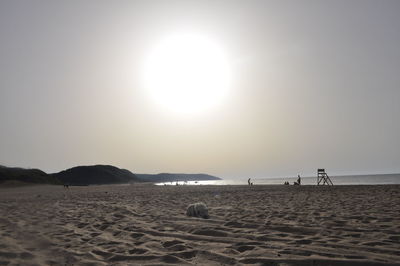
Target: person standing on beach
[248,181]
[299,180]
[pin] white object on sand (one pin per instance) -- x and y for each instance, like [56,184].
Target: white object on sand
[198,210]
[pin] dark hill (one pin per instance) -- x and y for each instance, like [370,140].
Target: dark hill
[35,176]
[96,175]
[165,177]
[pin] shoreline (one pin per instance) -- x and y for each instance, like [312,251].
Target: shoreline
[22,185]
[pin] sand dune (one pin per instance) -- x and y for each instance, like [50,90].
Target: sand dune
[147,225]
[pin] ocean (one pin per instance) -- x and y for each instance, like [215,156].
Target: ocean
[385,179]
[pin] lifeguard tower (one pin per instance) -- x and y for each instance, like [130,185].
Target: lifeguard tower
[323,178]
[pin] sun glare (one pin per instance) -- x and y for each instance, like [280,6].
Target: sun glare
[187,73]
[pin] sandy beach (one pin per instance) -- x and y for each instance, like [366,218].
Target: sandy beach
[147,225]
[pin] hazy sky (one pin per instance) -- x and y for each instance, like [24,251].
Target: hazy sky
[314,84]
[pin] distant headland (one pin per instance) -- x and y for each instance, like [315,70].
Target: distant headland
[91,175]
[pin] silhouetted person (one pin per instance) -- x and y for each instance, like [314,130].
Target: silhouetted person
[248,181]
[299,180]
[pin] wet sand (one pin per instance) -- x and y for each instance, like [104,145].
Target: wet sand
[147,225]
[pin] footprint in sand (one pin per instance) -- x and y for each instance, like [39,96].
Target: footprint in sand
[138,251]
[136,235]
[171,243]
[26,256]
[244,248]
[187,254]
[210,232]
[303,241]
[8,255]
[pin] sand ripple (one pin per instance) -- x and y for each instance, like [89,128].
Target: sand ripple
[147,225]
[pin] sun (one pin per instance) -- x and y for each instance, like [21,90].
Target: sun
[187,74]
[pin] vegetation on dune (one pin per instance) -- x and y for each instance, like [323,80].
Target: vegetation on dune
[34,176]
[96,175]
[90,175]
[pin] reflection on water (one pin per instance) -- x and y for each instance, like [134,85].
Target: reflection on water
[337,180]
[206,182]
